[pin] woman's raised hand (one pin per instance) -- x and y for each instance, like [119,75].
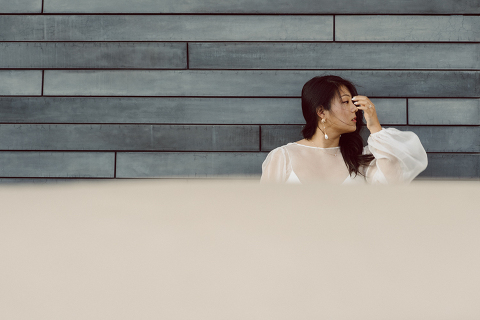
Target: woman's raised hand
[369,112]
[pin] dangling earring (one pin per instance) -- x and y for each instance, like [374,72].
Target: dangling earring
[324,129]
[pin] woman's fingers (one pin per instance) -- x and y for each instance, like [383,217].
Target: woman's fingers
[356,98]
[361,101]
[367,110]
[368,105]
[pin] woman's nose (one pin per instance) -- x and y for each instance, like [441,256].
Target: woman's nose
[353,107]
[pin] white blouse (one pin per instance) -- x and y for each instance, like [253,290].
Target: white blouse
[399,158]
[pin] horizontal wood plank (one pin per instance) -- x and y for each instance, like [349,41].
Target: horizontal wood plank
[20,83]
[444,111]
[165,28]
[128,137]
[264,6]
[334,56]
[171,110]
[21,6]
[278,135]
[466,166]
[151,110]
[453,28]
[255,83]
[391,111]
[87,55]
[448,139]
[188,164]
[434,138]
[57,164]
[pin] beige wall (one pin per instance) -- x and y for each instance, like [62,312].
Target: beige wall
[201,250]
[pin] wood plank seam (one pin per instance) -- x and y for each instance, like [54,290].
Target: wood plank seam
[406,111]
[188,56]
[334,27]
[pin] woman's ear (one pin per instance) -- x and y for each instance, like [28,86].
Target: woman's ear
[320,112]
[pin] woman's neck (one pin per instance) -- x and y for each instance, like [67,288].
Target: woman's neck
[318,140]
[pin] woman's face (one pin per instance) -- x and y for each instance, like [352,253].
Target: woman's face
[341,115]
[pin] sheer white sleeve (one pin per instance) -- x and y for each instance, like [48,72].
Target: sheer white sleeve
[399,156]
[275,166]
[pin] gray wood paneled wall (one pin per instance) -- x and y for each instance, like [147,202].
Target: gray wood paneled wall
[197,88]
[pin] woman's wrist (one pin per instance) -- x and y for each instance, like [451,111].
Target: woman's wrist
[374,128]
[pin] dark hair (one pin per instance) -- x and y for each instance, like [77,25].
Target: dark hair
[320,92]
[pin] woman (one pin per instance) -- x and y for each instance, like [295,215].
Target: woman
[332,149]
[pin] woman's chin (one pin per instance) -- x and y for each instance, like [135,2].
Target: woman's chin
[350,129]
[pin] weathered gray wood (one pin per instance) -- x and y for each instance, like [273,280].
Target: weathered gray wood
[434,139]
[256,83]
[278,135]
[172,110]
[128,137]
[187,164]
[57,164]
[154,110]
[407,28]
[391,111]
[448,139]
[20,83]
[166,28]
[453,166]
[264,6]
[334,56]
[444,111]
[20,6]
[116,55]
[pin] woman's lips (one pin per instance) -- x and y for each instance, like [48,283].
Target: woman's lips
[354,119]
